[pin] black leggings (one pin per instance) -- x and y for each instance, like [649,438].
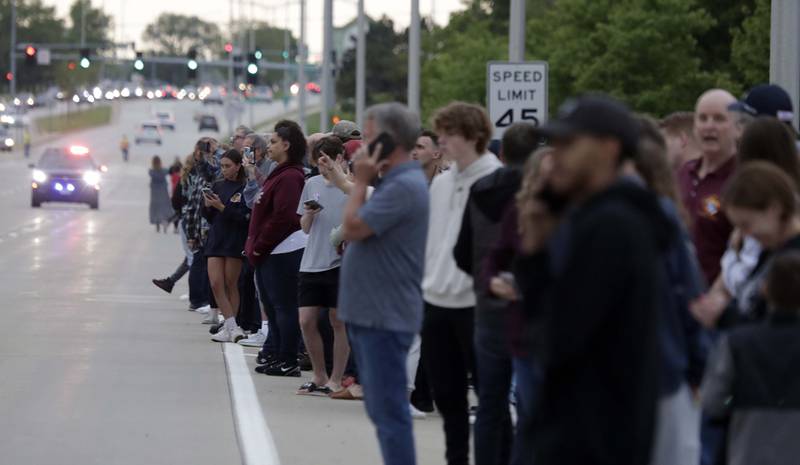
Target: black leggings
[277,285]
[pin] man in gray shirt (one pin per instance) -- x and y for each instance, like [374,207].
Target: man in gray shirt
[380,296]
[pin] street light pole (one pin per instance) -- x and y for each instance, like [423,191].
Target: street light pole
[327,68]
[784,61]
[413,58]
[516,31]
[301,73]
[12,84]
[83,22]
[361,90]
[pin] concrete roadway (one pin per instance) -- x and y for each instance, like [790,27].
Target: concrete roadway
[97,366]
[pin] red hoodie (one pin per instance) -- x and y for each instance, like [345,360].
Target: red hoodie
[274,216]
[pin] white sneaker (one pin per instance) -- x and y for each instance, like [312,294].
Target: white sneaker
[417,414]
[204,310]
[256,340]
[212,317]
[222,336]
[237,334]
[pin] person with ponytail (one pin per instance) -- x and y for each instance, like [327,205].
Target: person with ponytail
[228,217]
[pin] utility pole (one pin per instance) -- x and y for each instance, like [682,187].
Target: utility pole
[286,52]
[516,31]
[327,65]
[83,22]
[784,61]
[301,74]
[413,58]
[361,90]
[230,70]
[12,84]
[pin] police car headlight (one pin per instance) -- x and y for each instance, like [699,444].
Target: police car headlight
[9,142]
[91,178]
[39,176]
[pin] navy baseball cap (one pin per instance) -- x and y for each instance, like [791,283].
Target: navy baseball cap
[595,115]
[766,99]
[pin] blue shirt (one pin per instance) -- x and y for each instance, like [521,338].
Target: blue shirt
[381,276]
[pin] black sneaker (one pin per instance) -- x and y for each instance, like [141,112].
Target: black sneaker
[165,284]
[304,361]
[279,369]
[265,359]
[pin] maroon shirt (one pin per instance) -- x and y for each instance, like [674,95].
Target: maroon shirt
[703,201]
[274,216]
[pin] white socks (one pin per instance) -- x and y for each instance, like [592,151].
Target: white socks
[265,328]
[230,323]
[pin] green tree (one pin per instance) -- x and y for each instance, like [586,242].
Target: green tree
[750,49]
[387,67]
[174,34]
[36,23]
[644,52]
[270,40]
[97,23]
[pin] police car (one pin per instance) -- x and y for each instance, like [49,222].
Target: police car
[67,174]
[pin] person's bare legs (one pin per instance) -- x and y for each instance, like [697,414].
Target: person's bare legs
[233,267]
[309,325]
[216,276]
[341,351]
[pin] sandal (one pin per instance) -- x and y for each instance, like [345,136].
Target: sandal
[312,389]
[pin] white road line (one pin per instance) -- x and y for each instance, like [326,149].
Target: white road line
[255,439]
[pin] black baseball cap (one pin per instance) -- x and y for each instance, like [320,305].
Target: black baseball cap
[766,99]
[595,115]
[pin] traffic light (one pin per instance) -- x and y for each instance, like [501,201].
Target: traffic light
[138,64]
[71,65]
[229,48]
[30,55]
[85,61]
[9,76]
[252,68]
[258,54]
[191,64]
[285,54]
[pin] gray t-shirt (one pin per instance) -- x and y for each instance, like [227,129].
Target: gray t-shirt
[319,254]
[381,278]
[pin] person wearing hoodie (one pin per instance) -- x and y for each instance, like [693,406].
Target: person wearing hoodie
[684,342]
[447,333]
[592,272]
[489,198]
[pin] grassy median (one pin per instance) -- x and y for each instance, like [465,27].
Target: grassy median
[75,120]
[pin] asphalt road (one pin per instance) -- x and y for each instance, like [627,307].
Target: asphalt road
[97,366]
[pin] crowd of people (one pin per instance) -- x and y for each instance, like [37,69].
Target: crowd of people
[616,289]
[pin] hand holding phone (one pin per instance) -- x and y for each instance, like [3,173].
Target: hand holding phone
[387,146]
[313,205]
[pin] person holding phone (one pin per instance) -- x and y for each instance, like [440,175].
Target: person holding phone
[228,217]
[275,246]
[321,206]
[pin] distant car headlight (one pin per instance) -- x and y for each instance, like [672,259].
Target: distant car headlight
[91,178]
[9,142]
[39,176]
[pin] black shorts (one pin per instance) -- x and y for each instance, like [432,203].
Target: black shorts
[318,289]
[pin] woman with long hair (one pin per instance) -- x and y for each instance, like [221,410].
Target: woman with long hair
[160,203]
[275,245]
[228,217]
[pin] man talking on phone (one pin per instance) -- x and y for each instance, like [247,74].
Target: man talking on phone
[380,295]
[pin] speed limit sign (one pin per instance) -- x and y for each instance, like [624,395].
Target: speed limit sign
[516,92]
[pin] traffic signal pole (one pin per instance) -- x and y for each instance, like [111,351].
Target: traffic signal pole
[12,84]
[327,66]
[516,31]
[784,61]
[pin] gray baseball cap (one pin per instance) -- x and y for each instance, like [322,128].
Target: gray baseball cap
[346,130]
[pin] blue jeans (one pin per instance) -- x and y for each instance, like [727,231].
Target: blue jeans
[199,288]
[381,358]
[277,287]
[528,375]
[493,420]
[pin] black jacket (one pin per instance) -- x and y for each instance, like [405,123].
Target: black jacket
[489,198]
[596,289]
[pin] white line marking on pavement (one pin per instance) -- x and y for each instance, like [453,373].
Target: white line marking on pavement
[255,438]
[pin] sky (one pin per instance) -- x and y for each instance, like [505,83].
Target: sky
[137,14]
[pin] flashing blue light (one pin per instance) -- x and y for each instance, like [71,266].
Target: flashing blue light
[70,188]
[59,187]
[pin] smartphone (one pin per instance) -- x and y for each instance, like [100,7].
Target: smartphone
[313,204]
[387,145]
[207,191]
[206,148]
